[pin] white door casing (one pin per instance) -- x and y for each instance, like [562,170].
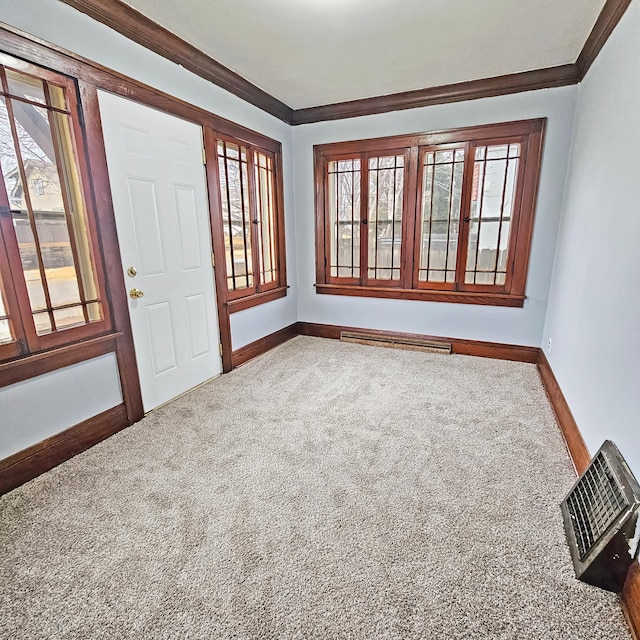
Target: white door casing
[159,194]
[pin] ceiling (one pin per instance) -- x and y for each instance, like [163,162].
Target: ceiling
[316,52]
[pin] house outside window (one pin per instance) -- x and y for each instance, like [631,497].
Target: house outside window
[52,290]
[38,186]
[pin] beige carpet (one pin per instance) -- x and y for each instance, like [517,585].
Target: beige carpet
[324,490]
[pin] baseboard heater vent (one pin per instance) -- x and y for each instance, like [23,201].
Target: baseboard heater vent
[601,520]
[396,341]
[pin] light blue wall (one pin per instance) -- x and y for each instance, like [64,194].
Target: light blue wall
[40,407]
[594,307]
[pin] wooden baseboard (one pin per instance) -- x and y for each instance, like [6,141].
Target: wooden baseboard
[568,426]
[43,456]
[458,345]
[257,348]
[630,597]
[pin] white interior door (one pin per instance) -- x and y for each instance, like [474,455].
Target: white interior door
[160,199]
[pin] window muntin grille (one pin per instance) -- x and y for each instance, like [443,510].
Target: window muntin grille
[265,205]
[250,217]
[343,179]
[37,149]
[6,330]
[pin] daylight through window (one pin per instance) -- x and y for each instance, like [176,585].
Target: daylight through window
[434,216]
[48,256]
[251,219]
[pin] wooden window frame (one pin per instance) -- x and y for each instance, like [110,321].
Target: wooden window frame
[27,341]
[363,216]
[260,293]
[529,133]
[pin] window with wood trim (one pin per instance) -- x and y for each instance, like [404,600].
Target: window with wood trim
[251,221]
[436,216]
[51,287]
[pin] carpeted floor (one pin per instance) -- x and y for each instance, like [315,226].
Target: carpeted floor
[325,490]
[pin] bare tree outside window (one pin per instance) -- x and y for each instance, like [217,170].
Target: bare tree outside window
[42,185]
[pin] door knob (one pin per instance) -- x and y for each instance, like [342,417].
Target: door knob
[136,293]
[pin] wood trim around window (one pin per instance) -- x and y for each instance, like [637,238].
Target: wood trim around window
[29,341]
[528,134]
[394,293]
[240,299]
[257,298]
[73,346]
[46,361]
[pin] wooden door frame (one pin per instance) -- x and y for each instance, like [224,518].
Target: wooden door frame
[91,77]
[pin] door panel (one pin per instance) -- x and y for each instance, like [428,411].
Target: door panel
[146,227]
[187,216]
[162,217]
[135,142]
[197,317]
[161,330]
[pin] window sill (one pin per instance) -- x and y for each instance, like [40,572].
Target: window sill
[34,365]
[463,297]
[256,299]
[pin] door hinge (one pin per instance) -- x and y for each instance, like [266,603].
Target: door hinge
[204,156]
[220,348]
[213,259]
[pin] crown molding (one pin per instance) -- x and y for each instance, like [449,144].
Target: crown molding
[471,90]
[607,21]
[137,27]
